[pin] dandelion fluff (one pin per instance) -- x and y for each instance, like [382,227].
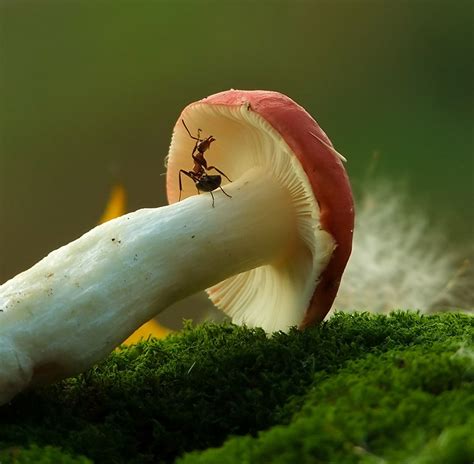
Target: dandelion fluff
[401,261]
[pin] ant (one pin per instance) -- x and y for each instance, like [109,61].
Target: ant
[203,181]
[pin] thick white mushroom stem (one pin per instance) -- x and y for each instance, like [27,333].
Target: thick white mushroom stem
[76,305]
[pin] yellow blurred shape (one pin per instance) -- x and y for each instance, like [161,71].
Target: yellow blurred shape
[117,206]
[151,328]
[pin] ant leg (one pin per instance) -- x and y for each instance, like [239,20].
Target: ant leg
[219,171]
[198,138]
[224,192]
[180,185]
[198,141]
[186,173]
[212,199]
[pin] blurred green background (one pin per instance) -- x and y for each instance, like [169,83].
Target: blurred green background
[90,91]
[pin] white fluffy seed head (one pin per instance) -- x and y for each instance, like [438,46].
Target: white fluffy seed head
[400,260]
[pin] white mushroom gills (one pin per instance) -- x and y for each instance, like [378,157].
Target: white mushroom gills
[273,296]
[72,308]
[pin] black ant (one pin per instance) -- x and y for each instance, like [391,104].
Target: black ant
[204,182]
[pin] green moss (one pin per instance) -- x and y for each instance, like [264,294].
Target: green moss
[358,388]
[36,455]
[414,403]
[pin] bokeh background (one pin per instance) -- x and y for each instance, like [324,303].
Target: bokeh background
[90,91]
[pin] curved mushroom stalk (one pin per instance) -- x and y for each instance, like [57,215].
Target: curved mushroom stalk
[77,304]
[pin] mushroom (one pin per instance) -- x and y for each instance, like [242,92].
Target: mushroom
[271,252]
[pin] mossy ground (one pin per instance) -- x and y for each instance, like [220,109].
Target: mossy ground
[358,388]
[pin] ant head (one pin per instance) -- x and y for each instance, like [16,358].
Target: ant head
[207,142]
